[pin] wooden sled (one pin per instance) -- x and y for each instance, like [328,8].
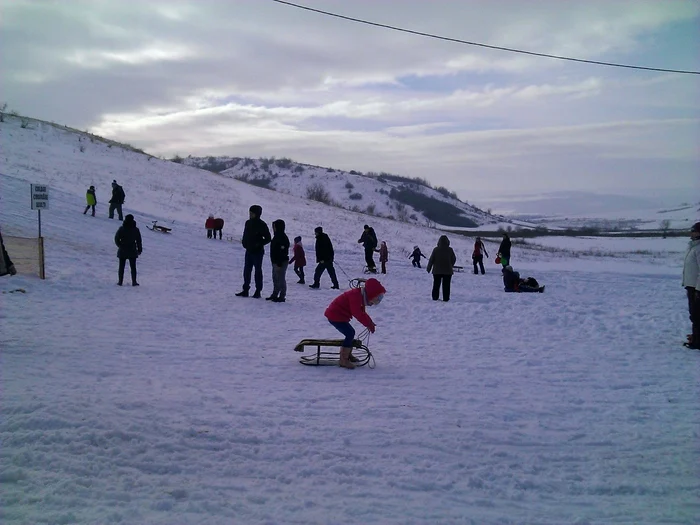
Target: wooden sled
[458,268]
[319,357]
[158,228]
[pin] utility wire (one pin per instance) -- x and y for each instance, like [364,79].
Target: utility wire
[429,35]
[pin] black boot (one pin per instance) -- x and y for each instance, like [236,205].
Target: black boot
[244,293]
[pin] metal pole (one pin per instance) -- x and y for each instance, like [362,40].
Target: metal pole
[39,210]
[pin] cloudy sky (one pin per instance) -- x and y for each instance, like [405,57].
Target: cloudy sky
[257,78]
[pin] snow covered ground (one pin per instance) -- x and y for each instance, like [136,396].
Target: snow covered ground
[177,402]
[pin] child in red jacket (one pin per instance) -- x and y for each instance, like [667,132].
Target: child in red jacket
[352,304]
[299,259]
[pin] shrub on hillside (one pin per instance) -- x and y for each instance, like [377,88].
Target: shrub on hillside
[177,159]
[446,193]
[349,185]
[433,209]
[262,182]
[355,196]
[284,163]
[299,169]
[316,192]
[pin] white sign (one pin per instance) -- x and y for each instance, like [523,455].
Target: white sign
[40,197]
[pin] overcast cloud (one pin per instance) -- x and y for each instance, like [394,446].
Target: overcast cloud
[256,78]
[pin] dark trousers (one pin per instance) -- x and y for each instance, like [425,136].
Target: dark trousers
[347,330]
[220,233]
[369,258]
[445,281]
[383,266]
[88,207]
[694,311]
[416,263]
[478,260]
[299,270]
[113,206]
[331,272]
[132,265]
[211,234]
[253,260]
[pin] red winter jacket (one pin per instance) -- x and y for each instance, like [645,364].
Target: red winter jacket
[209,225]
[298,257]
[351,304]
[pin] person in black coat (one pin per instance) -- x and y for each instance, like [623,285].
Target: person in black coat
[416,255]
[256,235]
[6,265]
[441,263]
[504,250]
[369,242]
[279,256]
[115,203]
[324,258]
[513,283]
[128,241]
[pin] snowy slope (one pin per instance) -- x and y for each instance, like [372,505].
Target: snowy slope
[177,402]
[367,193]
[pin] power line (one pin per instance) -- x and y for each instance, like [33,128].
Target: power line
[448,39]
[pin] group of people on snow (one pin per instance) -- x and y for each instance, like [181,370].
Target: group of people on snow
[115,203]
[213,226]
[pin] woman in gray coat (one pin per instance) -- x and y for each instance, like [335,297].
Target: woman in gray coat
[441,262]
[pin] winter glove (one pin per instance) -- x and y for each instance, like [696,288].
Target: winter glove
[372,328]
[139,252]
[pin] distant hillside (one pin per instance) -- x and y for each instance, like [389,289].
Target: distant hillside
[378,194]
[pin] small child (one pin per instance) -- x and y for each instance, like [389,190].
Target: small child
[299,259]
[383,255]
[416,255]
[352,304]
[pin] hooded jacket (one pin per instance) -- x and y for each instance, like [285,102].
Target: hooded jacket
[691,266]
[442,259]
[324,248]
[128,239]
[368,239]
[256,234]
[299,257]
[90,197]
[279,247]
[209,223]
[417,254]
[353,303]
[383,252]
[118,195]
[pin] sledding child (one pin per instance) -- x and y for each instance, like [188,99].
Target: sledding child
[513,283]
[299,259]
[416,255]
[352,304]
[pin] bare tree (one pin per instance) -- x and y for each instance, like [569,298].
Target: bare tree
[665,225]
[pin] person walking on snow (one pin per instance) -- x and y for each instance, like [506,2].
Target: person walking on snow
[441,262]
[128,241]
[352,304]
[416,255]
[383,255]
[91,200]
[478,256]
[324,258]
[369,241]
[279,256]
[209,225]
[691,283]
[115,203]
[256,235]
[299,259]
[504,250]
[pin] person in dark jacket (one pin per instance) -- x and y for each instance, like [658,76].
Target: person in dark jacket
[279,256]
[369,241]
[513,283]
[504,250]
[91,200]
[416,255]
[128,241]
[218,227]
[478,256]
[299,259]
[324,258]
[383,255]
[6,266]
[256,235]
[115,203]
[441,263]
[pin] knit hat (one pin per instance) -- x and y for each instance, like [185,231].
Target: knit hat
[256,210]
[318,229]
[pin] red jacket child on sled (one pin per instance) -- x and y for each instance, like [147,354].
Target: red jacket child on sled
[352,304]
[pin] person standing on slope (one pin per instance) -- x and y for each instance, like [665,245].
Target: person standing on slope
[441,262]
[279,256]
[416,255]
[117,200]
[128,241]
[369,242]
[352,304]
[691,283]
[256,235]
[324,258]
[504,250]
[91,200]
[383,255]
[478,256]
[299,259]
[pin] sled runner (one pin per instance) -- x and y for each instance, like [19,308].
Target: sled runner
[360,353]
[158,228]
[458,268]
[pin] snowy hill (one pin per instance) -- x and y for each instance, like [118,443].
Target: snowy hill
[177,402]
[378,194]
